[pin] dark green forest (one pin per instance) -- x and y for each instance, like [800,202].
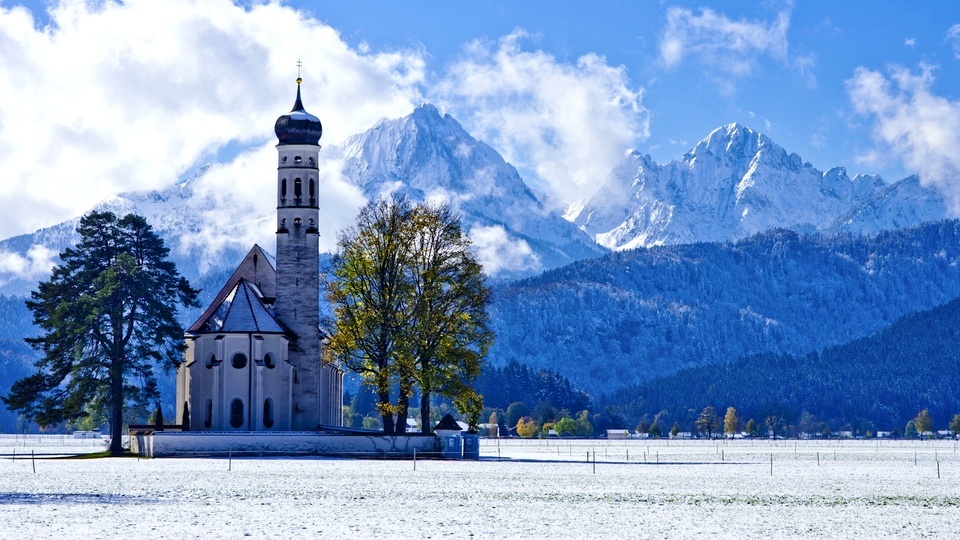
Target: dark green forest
[630,317]
[877,383]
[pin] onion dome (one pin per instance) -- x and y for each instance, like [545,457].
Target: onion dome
[298,126]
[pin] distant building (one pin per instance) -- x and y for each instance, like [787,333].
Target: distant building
[253,359]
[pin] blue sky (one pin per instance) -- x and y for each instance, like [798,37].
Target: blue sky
[799,98]
[132,96]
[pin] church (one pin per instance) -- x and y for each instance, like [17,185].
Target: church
[253,358]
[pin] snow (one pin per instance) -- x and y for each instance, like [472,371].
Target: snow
[736,183]
[711,489]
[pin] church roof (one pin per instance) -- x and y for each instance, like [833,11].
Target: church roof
[242,311]
[298,126]
[447,422]
[258,272]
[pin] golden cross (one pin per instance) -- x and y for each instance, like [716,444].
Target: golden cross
[299,65]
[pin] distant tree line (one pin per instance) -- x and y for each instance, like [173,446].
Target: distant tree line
[873,384]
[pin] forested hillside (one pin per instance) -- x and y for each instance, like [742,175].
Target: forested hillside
[875,383]
[631,316]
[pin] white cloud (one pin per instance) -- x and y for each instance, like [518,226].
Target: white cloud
[910,42]
[497,251]
[726,46]
[953,37]
[912,124]
[240,211]
[38,262]
[117,97]
[566,125]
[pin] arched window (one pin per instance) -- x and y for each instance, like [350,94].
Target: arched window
[283,187]
[313,193]
[239,360]
[236,413]
[208,414]
[269,360]
[298,188]
[211,360]
[185,419]
[268,413]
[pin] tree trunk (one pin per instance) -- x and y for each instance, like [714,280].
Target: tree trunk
[385,415]
[403,407]
[402,415]
[426,426]
[116,407]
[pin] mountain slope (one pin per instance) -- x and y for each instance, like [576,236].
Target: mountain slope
[735,183]
[878,382]
[426,156]
[630,316]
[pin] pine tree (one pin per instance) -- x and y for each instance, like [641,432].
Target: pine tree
[109,317]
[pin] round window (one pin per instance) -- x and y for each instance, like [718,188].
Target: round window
[269,361]
[239,360]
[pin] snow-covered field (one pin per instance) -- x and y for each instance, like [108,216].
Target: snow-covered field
[534,489]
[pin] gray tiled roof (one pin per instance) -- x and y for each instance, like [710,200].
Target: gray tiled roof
[241,311]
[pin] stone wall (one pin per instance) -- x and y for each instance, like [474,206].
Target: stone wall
[194,444]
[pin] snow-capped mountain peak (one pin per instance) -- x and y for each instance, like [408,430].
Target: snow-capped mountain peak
[429,156]
[734,183]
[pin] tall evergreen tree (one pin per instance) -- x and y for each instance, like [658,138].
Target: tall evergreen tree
[108,316]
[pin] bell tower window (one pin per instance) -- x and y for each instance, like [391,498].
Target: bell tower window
[313,194]
[298,160]
[283,187]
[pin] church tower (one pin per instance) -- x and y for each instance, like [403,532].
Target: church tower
[253,359]
[298,271]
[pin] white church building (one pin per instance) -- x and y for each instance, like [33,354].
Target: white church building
[253,358]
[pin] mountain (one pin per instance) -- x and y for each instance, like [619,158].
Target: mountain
[630,316]
[877,382]
[426,156]
[736,183]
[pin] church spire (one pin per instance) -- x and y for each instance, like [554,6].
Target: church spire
[298,126]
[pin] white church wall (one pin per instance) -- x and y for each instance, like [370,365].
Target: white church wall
[164,444]
[233,367]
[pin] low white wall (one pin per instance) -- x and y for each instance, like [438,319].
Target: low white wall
[162,444]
